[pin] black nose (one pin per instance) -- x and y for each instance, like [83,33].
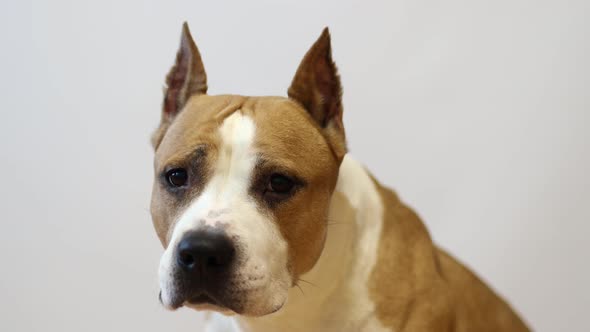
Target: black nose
[205,252]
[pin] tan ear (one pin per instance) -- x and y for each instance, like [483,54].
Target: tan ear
[187,77]
[316,86]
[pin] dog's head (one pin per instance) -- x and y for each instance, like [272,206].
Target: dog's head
[243,184]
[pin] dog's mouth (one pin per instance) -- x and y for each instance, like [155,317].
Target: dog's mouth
[203,299]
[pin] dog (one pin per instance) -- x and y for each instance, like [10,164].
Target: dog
[245,191]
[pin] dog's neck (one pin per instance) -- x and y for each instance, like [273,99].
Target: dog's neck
[334,295]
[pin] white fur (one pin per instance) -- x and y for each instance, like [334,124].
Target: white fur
[339,298]
[226,199]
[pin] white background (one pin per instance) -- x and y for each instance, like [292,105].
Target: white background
[476,112]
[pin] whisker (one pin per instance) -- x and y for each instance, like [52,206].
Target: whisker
[339,223]
[301,289]
[307,282]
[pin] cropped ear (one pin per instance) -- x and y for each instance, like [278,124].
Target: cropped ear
[316,86]
[187,77]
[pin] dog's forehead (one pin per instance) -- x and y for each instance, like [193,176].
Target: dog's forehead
[196,124]
[287,135]
[283,129]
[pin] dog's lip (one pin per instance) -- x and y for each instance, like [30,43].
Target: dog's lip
[175,304]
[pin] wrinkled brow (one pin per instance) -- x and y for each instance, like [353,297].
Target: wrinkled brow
[187,158]
[280,165]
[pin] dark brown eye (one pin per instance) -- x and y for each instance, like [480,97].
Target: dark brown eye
[177,177]
[280,184]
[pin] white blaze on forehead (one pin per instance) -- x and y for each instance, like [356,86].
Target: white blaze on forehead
[226,198]
[237,157]
[232,173]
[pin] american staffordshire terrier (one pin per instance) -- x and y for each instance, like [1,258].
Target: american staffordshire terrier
[255,197]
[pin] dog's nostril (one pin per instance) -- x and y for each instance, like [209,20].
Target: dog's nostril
[186,259]
[212,261]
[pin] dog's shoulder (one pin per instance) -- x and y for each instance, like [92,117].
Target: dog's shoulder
[427,289]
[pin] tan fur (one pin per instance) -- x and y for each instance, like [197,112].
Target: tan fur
[418,287]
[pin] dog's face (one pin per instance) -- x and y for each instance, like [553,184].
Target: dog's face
[243,184]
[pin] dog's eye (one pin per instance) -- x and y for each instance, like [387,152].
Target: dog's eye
[177,177]
[280,184]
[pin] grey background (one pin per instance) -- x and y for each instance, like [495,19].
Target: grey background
[476,112]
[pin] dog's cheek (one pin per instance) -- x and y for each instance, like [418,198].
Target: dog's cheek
[304,227]
[162,217]
[310,249]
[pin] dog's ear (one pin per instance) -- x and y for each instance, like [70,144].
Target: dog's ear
[186,78]
[316,86]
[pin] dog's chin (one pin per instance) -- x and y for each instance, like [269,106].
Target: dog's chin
[204,302]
